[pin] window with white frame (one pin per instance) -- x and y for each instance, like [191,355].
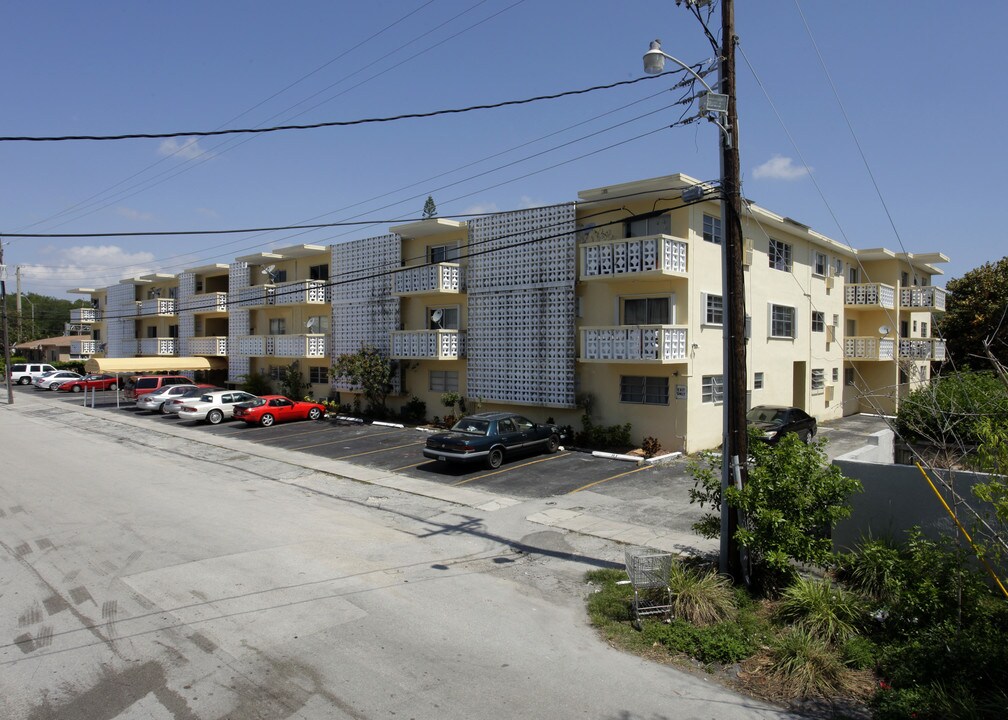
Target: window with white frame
[647,311]
[318,324]
[838,267]
[713,309]
[646,225]
[710,388]
[443,253]
[757,382]
[820,264]
[712,229]
[443,318]
[836,374]
[780,255]
[818,379]
[318,374]
[818,321]
[924,329]
[277,326]
[644,390]
[782,321]
[443,380]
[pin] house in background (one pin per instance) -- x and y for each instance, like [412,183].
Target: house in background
[54,349]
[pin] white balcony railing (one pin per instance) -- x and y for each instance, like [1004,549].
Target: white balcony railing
[298,292]
[922,349]
[83,347]
[634,343]
[156,306]
[85,315]
[285,346]
[439,278]
[928,298]
[660,254]
[214,302]
[869,348]
[873,294]
[214,346]
[159,346]
[428,344]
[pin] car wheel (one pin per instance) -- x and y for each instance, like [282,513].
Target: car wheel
[23,381]
[495,458]
[113,386]
[159,408]
[266,420]
[76,388]
[314,414]
[806,437]
[552,443]
[214,417]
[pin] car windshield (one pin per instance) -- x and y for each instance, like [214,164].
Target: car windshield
[256,403]
[472,426]
[766,415]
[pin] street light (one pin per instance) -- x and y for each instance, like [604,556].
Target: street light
[712,104]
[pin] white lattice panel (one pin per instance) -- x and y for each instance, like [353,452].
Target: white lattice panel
[238,368]
[210,346]
[634,342]
[249,345]
[119,325]
[634,255]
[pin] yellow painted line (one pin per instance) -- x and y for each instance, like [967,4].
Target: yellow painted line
[612,477]
[321,430]
[509,467]
[372,452]
[407,467]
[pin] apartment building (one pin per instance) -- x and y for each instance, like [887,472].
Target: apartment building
[614,299]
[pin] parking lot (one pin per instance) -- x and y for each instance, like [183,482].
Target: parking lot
[399,450]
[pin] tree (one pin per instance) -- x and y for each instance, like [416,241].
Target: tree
[975,313]
[291,381]
[429,208]
[372,370]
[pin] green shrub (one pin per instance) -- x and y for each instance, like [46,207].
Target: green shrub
[858,652]
[700,597]
[806,666]
[873,568]
[257,383]
[415,411]
[825,610]
[724,643]
[603,437]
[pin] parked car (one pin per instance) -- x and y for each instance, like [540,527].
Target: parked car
[490,437]
[172,406]
[154,401]
[52,380]
[139,386]
[21,373]
[90,382]
[270,409]
[213,407]
[776,421]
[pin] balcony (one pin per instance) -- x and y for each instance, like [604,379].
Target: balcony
[429,279]
[85,315]
[870,295]
[922,349]
[634,343]
[654,255]
[923,298]
[428,345]
[282,346]
[214,346]
[156,307]
[869,348]
[215,302]
[83,347]
[158,346]
[298,292]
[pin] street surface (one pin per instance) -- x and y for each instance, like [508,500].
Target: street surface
[146,575]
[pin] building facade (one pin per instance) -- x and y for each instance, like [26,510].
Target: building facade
[611,303]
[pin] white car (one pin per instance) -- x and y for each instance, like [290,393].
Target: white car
[154,401]
[24,373]
[214,406]
[52,380]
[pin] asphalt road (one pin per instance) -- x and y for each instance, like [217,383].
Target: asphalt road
[146,575]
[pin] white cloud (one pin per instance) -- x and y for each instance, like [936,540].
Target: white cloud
[187,149]
[89,265]
[480,209]
[132,214]
[780,168]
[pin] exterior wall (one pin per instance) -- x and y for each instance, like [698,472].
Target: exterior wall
[120,323]
[239,278]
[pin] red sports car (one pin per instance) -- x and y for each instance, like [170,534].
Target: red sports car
[90,382]
[270,409]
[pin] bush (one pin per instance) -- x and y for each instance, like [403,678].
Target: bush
[257,384]
[415,411]
[806,666]
[859,653]
[723,643]
[873,568]
[651,447]
[701,598]
[950,410]
[824,610]
[602,437]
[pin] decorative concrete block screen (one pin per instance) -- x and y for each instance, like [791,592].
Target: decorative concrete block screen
[119,325]
[238,323]
[186,318]
[365,313]
[520,338]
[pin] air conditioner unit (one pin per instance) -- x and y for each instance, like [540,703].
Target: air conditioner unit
[829,393]
[829,282]
[831,333]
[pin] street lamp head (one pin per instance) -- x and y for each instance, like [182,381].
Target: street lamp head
[654,59]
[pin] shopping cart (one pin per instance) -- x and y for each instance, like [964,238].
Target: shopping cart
[648,573]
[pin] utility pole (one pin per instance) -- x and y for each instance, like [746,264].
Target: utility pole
[6,343]
[735,451]
[17,305]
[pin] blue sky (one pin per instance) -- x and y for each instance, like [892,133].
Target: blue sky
[920,83]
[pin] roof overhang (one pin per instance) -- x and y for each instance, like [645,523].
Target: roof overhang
[153,364]
[426,228]
[158,277]
[214,269]
[83,291]
[263,258]
[298,251]
[667,186]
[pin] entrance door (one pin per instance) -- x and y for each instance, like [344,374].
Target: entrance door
[798,395]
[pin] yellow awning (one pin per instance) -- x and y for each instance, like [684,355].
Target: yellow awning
[153,364]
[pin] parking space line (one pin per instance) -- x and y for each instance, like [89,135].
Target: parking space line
[318,430]
[407,467]
[371,452]
[611,477]
[510,467]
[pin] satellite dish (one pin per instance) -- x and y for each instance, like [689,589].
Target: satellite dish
[436,317]
[310,324]
[885,330]
[268,270]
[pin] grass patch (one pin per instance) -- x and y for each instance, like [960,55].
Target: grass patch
[821,608]
[806,666]
[700,597]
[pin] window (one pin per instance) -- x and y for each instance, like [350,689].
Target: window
[96,334]
[443,380]
[924,329]
[448,319]
[848,376]
[277,326]
[853,275]
[645,390]
[782,321]
[318,272]
[915,326]
[836,374]
[757,382]
[904,329]
[904,278]
[319,324]
[647,311]
[443,253]
[818,321]
[713,310]
[820,264]
[711,388]
[780,255]
[838,267]
[712,229]
[318,374]
[152,332]
[274,372]
[657,224]
[173,331]
[818,379]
